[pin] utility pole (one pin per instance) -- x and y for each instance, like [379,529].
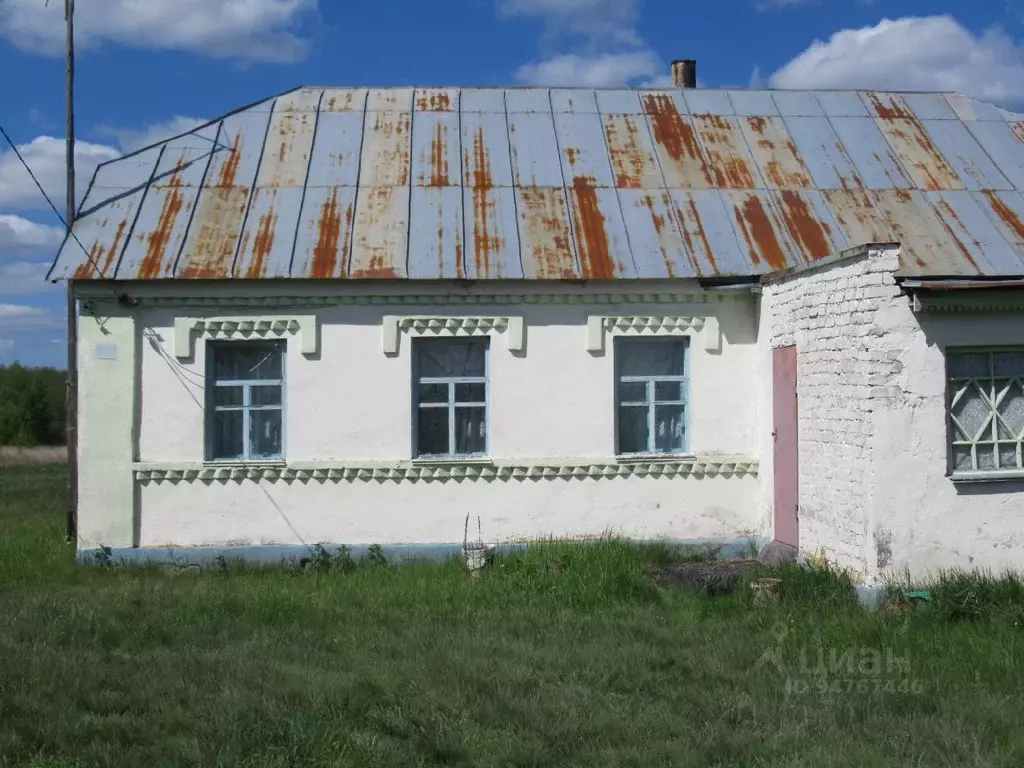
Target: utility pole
[71,400]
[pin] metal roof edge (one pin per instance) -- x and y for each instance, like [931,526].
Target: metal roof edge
[842,256]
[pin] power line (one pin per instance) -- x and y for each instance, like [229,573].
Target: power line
[120,297]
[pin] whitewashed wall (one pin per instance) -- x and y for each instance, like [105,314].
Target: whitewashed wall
[551,404]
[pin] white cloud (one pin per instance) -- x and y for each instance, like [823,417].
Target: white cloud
[45,155]
[598,71]
[130,140]
[23,278]
[248,30]
[21,235]
[6,347]
[600,21]
[927,53]
[18,317]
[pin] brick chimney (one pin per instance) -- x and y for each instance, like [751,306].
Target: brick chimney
[684,73]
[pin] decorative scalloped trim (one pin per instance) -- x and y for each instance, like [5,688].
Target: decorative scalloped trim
[284,302]
[243,328]
[405,471]
[634,325]
[393,325]
[969,304]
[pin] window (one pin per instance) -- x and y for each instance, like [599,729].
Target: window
[451,397]
[986,409]
[651,395]
[244,400]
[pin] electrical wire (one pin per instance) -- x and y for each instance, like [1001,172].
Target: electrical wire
[122,298]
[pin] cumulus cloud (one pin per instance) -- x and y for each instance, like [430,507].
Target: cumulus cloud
[247,30]
[19,235]
[598,71]
[604,50]
[24,278]
[19,317]
[130,140]
[927,53]
[45,156]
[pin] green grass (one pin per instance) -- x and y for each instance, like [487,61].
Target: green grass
[561,656]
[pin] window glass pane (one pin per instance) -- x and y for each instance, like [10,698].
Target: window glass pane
[226,439]
[432,432]
[247,361]
[962,457]
[963,365]
[632,429]
[1008,363]
[451,357]
[633,391]
[470,430]
[270,395]
[651,358]
[986,456]
[1008,456]
[433,393]
[471,393]
[668,390]
[1011,410]
[227,396]
[972,413]
[668,428]
[265,433]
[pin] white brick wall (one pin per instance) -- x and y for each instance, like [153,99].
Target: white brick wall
[844,365]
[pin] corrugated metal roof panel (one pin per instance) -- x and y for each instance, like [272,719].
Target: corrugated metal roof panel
[323,243]
[653,233]
[492,234]
[380,235]
[708,229]
[775,153]
[876,163]
[631,151]
[584,153]
[999,141]
[436,245]
[418,183]
[436,159]
[823,153]
[536,161]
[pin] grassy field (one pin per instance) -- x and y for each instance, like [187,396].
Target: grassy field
[564,656]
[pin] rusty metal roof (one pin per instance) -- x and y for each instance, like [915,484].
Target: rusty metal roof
[433,183]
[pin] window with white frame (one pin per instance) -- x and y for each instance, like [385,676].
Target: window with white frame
[651,388]
[986,409]
[450,390]
[244,400]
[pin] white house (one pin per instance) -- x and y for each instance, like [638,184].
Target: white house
[358,316]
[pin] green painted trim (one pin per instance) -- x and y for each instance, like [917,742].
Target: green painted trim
[399,471]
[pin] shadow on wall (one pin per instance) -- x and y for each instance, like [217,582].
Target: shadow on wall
[992,488]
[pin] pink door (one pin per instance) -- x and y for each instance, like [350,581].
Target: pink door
[786,453]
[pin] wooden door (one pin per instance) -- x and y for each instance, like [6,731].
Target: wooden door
[786,447]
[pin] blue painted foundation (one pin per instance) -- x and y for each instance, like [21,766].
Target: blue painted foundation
[271,556]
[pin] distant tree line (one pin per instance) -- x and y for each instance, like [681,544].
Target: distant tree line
[32,405]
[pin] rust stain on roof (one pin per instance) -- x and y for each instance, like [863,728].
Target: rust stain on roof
[632,166]
[1006,214]
[811,235]
[571,154]
[724,145]
[86,269]
[434,101]
[153,263]
[913,145]
[679,140]
[660,223]
[546,232]
[438,158]
[858,217]
[229,170]
[778,154]
[759,233]
[596,261]
[325,254]
[262,245]
[1018,130]
[391,159]
[697,239]
[218,222]
[486,244]
[949,211]
[377,269]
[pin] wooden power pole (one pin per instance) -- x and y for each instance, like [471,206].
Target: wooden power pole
[71,400]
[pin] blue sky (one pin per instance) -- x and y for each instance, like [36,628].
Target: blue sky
[150,69]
